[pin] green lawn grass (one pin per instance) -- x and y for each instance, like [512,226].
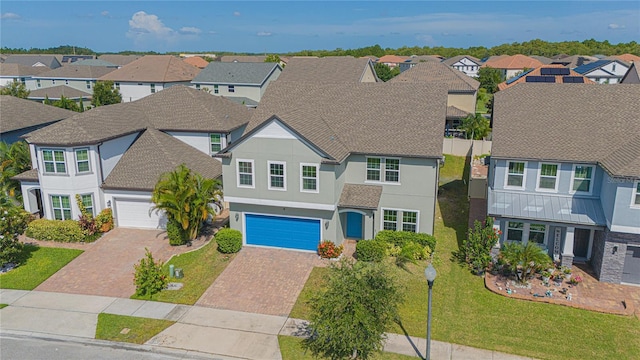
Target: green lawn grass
[2,306]
[291,349]
[39,263]
[200,268]
[466,313]
[110,328]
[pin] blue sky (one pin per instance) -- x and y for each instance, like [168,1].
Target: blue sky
[283,26]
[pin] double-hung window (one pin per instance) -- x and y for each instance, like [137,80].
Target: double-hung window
[153,88]
[548,179]
[277,175]
[410,221]
[392,170]
[309,178]
[515,231]
[582,178]
[87,202]
[215,89]
[635,198]
[390,220]
[61,206]
[537,233]
[404,220]
[54,161]
[376,166]
[232,88]
[82,160]
[245,173]
[38,82]
[373,169]
[515,174]
[216,143]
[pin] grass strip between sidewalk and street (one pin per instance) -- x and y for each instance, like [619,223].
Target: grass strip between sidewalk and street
[291,349]
[38,264]
[114,328]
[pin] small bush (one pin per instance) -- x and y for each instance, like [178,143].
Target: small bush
[177,236]
[229,241]
[392,250]
[148,277]
[413,251]
[55,230]
[104,220]
[328,250]
[370,250]
[13,221]
[401,238]
[88,225]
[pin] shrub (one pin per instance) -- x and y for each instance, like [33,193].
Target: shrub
[148,276]
[328,250]
[104,220]
[413,251]
[400,238]
[476,249]
[392,250]
[525,261]
[88,225]
[370,250]
[55,230]
[177,236]
[13,221]
[229,241]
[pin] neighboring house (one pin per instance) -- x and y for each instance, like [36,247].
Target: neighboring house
[20,116]
[465,63]
[392,60]
[18,72]
[330,69]
[632,76]
[120,60]
[112,156]
[512,65]
[565,174]
[627,58]
[574,61]
[71,59]
[244,83]
[305,171]
[604,71]
[462,89]
[243,58]
[543,59]
[548,74]
[78,77]
[50,61]
[196,61]
[150,74]
[96,62]
[414,59]
[55,93]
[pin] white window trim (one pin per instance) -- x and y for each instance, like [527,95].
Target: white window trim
[93,203]
[53,216]
[383,220]
[221,143]
[317,190]
[284,175]
[55,172]
[253,174]
[546,233]
[526,229]
[383,170]
[506,233]
[573,174]
[524,176]
[75,155]
[555,189]
[635,193]
[399,218]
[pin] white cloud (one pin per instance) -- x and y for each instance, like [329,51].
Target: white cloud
[189,30]
[10,16]
[143,25]
[426,39]
[104,13]
[615,26]
[236,13]
[263,33]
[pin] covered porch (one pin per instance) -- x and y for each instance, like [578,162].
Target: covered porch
[357,210]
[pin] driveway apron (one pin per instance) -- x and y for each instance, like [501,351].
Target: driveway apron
[261,280]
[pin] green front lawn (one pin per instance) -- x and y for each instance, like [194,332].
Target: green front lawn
[38,264]
[291,349]
[464,312]
[110,327]
[200,267]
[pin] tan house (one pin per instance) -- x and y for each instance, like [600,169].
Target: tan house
[392,60]
[512,65]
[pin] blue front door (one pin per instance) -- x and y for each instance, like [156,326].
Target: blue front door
[354,225]
[282,232]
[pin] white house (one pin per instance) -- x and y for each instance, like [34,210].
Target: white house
[604,71]
[465,63]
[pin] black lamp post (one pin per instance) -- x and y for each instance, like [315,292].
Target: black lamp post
[430,274]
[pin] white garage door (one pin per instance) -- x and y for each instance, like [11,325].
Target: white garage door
[134,213]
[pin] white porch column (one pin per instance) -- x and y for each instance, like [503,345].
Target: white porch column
[567,249]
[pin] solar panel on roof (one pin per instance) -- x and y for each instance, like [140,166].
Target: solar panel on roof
[554,71]
[540,79]
[573,79]
[519,76]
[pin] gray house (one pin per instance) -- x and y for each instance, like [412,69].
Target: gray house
[304,171]
[50,61]
[241,82]
[565,174]
[75,76]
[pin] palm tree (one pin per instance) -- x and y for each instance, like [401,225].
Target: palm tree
[186,197]
[525,260]
[14,159]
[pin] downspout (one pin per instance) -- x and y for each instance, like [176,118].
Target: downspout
[100,163]
[435,196]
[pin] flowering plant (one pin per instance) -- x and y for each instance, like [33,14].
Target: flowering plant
[575,280]
[329,250]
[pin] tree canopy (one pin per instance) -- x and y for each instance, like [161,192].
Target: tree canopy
[14,159]
[489,79]
[272,58]
[104,93]
[66,103]
[17,89]
[384,72]
[476,127]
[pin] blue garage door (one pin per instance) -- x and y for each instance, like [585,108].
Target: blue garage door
[284,232]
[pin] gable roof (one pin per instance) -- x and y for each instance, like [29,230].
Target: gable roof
[452,60]
[76,72]
[49,61]
[574,60]
[433,72]
[235,73]
[632,76]
[153,154]
[513,62]
[330,69]
[20,113]
[196,61]
[543,59]
[587,68]
[578,122]
[154,68]
[414,59]
[367,118]
[243,58]
[56,92]
[558,79]
[21,70]
[118,59]
[177,108]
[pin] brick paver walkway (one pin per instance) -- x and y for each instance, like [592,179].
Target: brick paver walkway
[106,266]
[261,280]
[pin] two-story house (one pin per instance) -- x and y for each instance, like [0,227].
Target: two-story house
[78,77]
[415,59]
[20,116]
[604,71]
[150,74]
[465,63]
[511,66]
[244,83]
[112,156]
[18,72]
[565,174]
[335,161]
[48,61]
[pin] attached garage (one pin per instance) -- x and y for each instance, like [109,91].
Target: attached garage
[134,213]
[282,232]
[631,270]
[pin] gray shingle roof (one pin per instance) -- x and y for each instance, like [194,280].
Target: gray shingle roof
[433,72]
[119,59]
[16,113]
[456,113]
[367,118]
[177,108]
[360,196]
[95,62]
[154,68]
[49,61]
[21,70]
[243,58]
[235,73]
[29,175]
[55,92]
[632,76]
[76,72]
[331,69]
[570,122]
[153,154]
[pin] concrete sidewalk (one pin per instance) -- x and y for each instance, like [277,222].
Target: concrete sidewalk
[201,330]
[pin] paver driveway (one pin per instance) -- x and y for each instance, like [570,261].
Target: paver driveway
[261,280]
[106,267]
